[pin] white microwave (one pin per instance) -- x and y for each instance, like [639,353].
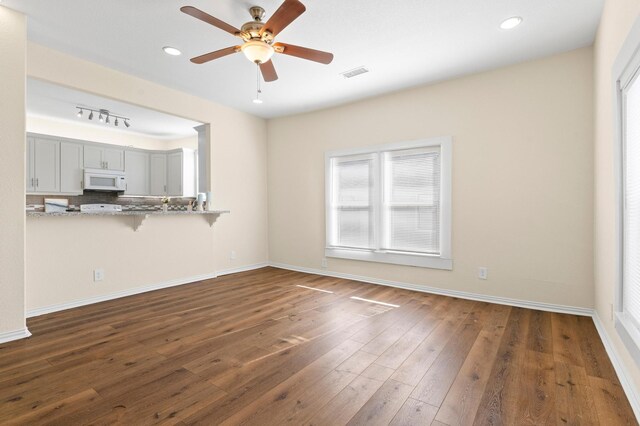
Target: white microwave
[104,180]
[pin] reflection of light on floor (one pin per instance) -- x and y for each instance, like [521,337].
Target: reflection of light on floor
[313,288]
[375,301]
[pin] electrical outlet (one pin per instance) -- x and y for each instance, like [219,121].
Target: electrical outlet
[232,255]
[483,272]
[98,274]
[324,263]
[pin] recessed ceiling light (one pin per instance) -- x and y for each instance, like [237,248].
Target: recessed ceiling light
[511,23]
[171,51]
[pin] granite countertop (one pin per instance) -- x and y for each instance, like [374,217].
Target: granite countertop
[129,213]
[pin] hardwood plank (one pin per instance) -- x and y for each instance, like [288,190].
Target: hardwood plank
[611,403]
[382,407]
[435,384]
[462,401]
[414,412]
[498,403]
[536,402]
[566,341]
[574,397]
[596,361]
[347,403]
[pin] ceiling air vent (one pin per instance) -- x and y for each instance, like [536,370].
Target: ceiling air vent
[354,72]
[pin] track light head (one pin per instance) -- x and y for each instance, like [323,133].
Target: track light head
[107,118]
[79,114]
[116,122]
[91,115]
[126,123]
[101,118]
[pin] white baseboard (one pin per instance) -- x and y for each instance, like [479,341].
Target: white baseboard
[118,294]
[623,375]
[137,290]
[574,310]
[242,268]
[8,336]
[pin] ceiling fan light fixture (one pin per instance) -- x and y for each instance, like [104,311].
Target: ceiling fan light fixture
[257,51]
[511,23]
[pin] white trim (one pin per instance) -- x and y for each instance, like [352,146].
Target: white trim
[409,259]
[549,307]
[443,260]
[116,295]
[9,336]
[624,70]
[621,370]
[137,290]
[242,268]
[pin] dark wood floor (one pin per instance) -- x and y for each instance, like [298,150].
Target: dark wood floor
[255,348]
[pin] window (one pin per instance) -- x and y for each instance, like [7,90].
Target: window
[627,84]
[391,203]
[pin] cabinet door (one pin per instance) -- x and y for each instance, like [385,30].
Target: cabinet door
[136,168]
[47,165]
[31,180]
[93,157]
[158,174]
[71,161]
[174,174]
[114,159]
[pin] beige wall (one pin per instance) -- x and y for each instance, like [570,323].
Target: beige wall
[13,39]
[69,129]
[617,18]
[522,178]
[239,175]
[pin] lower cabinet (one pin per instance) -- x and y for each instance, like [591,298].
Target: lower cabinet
[136,168]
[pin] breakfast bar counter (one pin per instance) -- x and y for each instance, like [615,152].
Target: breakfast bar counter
[138,216]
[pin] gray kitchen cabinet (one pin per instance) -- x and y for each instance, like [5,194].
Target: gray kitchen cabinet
[158,174]
[71,164]
[137,170]
[100,157]
[181,173]
[44,170]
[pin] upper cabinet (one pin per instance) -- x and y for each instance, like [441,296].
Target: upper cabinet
[56,165]
[43,165]
[71,165]
[100,157]
[136,168]
[158,174]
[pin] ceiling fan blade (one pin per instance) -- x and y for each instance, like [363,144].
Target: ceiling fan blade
[268,71]
[203,16]
[304,53]
[215,55]
[286,14]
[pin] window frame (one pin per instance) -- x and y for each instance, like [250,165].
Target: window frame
[440,261]
[626,70]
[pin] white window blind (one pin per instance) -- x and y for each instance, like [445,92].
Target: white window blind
[352,209]
[631,226]
[411,202]
[386,204]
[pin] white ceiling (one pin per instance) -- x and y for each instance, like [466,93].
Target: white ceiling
[403,42]
[53,101]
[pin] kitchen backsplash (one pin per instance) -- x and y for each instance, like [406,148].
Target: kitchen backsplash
[106,198]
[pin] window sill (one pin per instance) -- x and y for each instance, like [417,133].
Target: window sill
[408,259]
[629,335]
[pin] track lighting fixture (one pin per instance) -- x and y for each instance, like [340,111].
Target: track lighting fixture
[104,115]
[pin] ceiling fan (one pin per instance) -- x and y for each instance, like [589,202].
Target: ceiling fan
[258,37]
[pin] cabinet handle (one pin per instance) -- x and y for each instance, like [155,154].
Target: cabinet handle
[32,183]
[37,182]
